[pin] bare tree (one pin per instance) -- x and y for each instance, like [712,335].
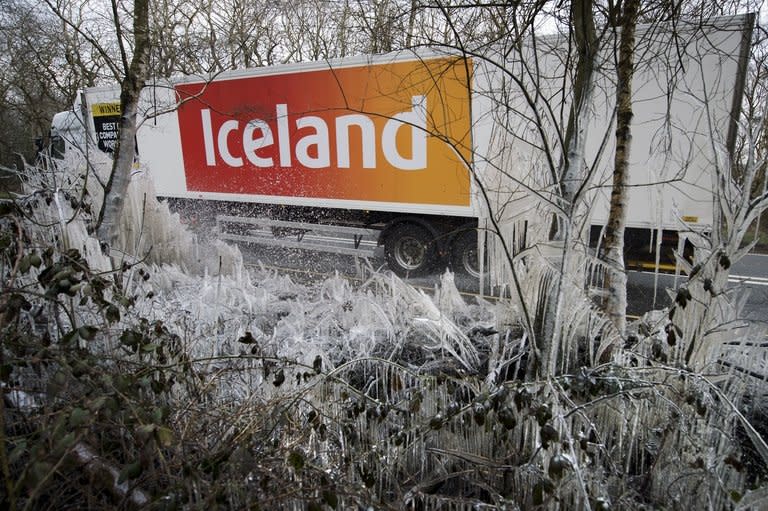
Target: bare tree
[134,77]
[126,54]
[615,276]
[572,173]
[32,85]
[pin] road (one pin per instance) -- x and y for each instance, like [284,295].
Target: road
[645,291]
[749,274]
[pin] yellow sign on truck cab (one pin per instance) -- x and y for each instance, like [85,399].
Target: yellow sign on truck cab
[106,121]
[102,109]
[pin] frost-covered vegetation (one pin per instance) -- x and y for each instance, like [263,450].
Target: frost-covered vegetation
[168,375]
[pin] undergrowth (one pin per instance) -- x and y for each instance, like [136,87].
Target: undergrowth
[141,386]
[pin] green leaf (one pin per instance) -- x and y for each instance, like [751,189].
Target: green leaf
[507,417]
[130,338]
[541,489]
[24,264]
[478,413]
[437,421]
[64,444]
[69,337]
[543,414]
[331,499]
[5,372]
[78,417]
[558,465]
[279,378]
[164,436]
[602,504]
[368,479]
[296,460]
[112,313]
[35,260]
[37,472]
[17,452]
[7,207]
[149,347]
[62,275]
[247,338]
[145,430]
[87,332]
[548,434]
[98,403]
[130,471]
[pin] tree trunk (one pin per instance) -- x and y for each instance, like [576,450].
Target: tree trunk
[585,36]
[131,86]
[613,248]
[572,174]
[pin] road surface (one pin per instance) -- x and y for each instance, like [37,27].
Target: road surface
[749,275]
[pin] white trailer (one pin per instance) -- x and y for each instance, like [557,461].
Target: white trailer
[404,150]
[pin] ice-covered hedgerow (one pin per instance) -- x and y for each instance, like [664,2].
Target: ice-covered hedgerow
[174,376]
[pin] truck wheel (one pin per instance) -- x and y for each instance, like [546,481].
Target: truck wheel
[464,256]
[409,249]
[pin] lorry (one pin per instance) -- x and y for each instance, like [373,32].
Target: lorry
[402,150]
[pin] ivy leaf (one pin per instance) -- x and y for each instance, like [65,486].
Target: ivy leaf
[164,436]
[150,347]
[130,471]
[17,452]
[247,339]
[542,414]
[541,489]
[37,472]
[97,404]
[671,335]
[112,313]
[369,478]
[683,297]
[63,444]
[7,207]
[279,378]
[548,434]
[478,413]
[78,417]
[130,338]
[296,460]
[35,260]
[24,264]
[87,332]
[5,372]
[69,337]
[331,499]
[507,417]
[558,464]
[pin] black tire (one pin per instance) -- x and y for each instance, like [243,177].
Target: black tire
[464,255]
[409,250]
